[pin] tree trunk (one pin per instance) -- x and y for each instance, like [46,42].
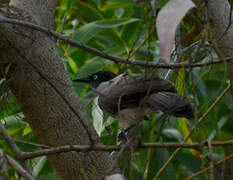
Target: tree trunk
[37,78]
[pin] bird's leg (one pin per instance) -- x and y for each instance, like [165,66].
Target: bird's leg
[123,136]
[130,136]
[146,118]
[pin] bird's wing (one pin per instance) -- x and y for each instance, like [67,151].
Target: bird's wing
[170,103]
[129,91]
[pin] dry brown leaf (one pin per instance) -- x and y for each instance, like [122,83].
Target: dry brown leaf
[167,22]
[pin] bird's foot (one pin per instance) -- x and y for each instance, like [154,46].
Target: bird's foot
[123,136]
[130,137]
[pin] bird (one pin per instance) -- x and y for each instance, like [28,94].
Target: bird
[130,97]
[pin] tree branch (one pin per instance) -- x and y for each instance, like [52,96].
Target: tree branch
[23,172]
[106,56]
[10,141]
[27,142]
[84,148]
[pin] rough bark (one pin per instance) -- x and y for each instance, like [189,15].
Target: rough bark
[36,75]
[219,15]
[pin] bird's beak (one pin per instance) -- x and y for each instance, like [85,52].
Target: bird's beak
[84,80]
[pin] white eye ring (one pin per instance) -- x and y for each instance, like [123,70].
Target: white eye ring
[95,77]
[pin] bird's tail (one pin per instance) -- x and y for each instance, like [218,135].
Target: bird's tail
[171,104]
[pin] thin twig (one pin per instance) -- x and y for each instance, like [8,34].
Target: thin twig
[143,43]
[209,168]
[122,149]
[106,56]
[28,143]
[83,148]
[10,141]
[177,56]
[211,160]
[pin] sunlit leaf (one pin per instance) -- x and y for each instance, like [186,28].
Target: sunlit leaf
[39,165]
[115,4]
[173,133]
[97,115]
[27,130]
[72,64]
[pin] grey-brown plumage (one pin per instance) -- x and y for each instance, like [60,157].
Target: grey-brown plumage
[130,97]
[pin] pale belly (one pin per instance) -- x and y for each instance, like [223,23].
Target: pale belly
[132,116]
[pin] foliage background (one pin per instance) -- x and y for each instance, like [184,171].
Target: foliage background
[126,29]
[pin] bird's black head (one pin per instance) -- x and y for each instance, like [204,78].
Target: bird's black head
[95,79]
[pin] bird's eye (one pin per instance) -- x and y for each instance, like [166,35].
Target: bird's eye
[95,77]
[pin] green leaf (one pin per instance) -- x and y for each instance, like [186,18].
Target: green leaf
[72,64]
[115,4]
[95,64]
[27,130]
[130,32]
[97,116]
[89,31]
[14,123]
[163,156]
[220,124]
[172,133]
[87,11]
[39,165]
[189,161]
